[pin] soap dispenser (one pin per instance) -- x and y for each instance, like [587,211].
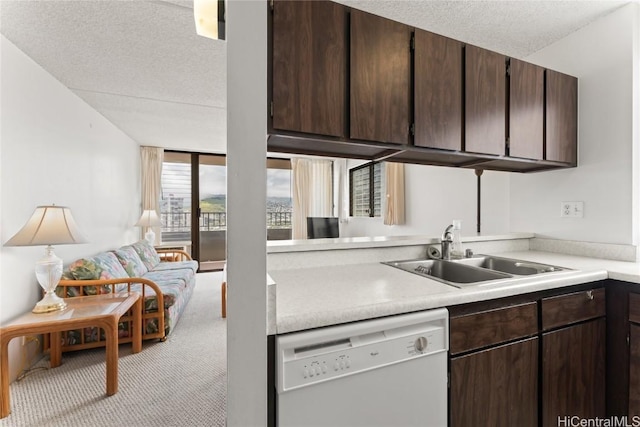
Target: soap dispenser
[456,246]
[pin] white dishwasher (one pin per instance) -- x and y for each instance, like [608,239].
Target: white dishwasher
[382,372]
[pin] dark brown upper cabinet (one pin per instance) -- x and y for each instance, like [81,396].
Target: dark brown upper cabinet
[485,101]
[562,118]
[438,91]
[526,110]
[346,83]
[309,67]
[380,84]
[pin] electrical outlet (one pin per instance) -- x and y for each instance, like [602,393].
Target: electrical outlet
[572,209]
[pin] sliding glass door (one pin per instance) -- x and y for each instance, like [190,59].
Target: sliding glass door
[193,206]
[212,238]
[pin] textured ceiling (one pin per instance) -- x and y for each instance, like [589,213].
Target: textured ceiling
[138,63]
[141,64]
[514,28]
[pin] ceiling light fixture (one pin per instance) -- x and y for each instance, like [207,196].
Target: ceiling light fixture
[210,18]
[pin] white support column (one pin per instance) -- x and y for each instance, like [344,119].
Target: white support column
[246,29]
[635,132]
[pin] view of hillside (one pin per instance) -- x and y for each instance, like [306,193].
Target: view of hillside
[279,204]
[218,203]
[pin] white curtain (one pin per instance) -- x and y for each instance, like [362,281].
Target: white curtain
[340,167]
[312,192]
[394,213]
[152,158]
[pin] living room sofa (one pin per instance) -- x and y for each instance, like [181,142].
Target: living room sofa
[164,278]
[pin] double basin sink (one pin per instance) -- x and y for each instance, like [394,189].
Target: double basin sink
[477,270]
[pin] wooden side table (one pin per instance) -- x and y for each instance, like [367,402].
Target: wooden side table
[103,311]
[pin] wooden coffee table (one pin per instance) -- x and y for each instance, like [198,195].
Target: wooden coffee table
[103,311]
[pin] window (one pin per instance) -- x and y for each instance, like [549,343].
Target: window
[175,204]
[365,189]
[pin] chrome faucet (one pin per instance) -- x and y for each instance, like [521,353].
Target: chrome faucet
[446,241]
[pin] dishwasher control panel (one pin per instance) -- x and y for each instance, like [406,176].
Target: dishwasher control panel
[307,358]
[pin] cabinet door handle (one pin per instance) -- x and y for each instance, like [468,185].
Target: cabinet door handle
[590,295]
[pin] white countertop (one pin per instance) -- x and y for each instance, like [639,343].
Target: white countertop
[321,296]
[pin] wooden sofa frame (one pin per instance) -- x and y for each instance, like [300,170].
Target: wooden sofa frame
[166,255]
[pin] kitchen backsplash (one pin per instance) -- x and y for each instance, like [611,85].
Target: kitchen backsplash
[302,257]
[588,249]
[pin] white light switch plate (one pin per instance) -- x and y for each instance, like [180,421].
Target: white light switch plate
[572,209]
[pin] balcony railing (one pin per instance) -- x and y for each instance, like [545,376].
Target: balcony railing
[214,221]
[278,219]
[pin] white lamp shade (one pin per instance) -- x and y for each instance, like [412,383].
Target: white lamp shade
[49,225]
[149,218]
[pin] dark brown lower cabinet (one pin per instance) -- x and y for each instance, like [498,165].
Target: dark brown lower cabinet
[496,387]
[531,360]
[623,349]
[634,370]
[573,372]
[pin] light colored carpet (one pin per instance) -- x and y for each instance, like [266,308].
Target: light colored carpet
[181,382]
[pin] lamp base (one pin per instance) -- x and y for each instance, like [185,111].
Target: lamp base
[48,272]
[50,302]
[150,237]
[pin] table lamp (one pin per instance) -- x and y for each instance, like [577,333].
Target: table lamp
[49,225]
[149,218]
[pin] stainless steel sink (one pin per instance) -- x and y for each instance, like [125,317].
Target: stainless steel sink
[477,270]
[451,273]
[509,265]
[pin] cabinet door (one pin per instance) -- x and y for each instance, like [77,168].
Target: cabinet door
[438,91]
[634,370]
[562,117]
[485,101]
[309,67]
[380,79]
[573,372]
[496,387]
[526,110]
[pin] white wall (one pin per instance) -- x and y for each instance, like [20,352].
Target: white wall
[601,56]
[57,149]
[437,195]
